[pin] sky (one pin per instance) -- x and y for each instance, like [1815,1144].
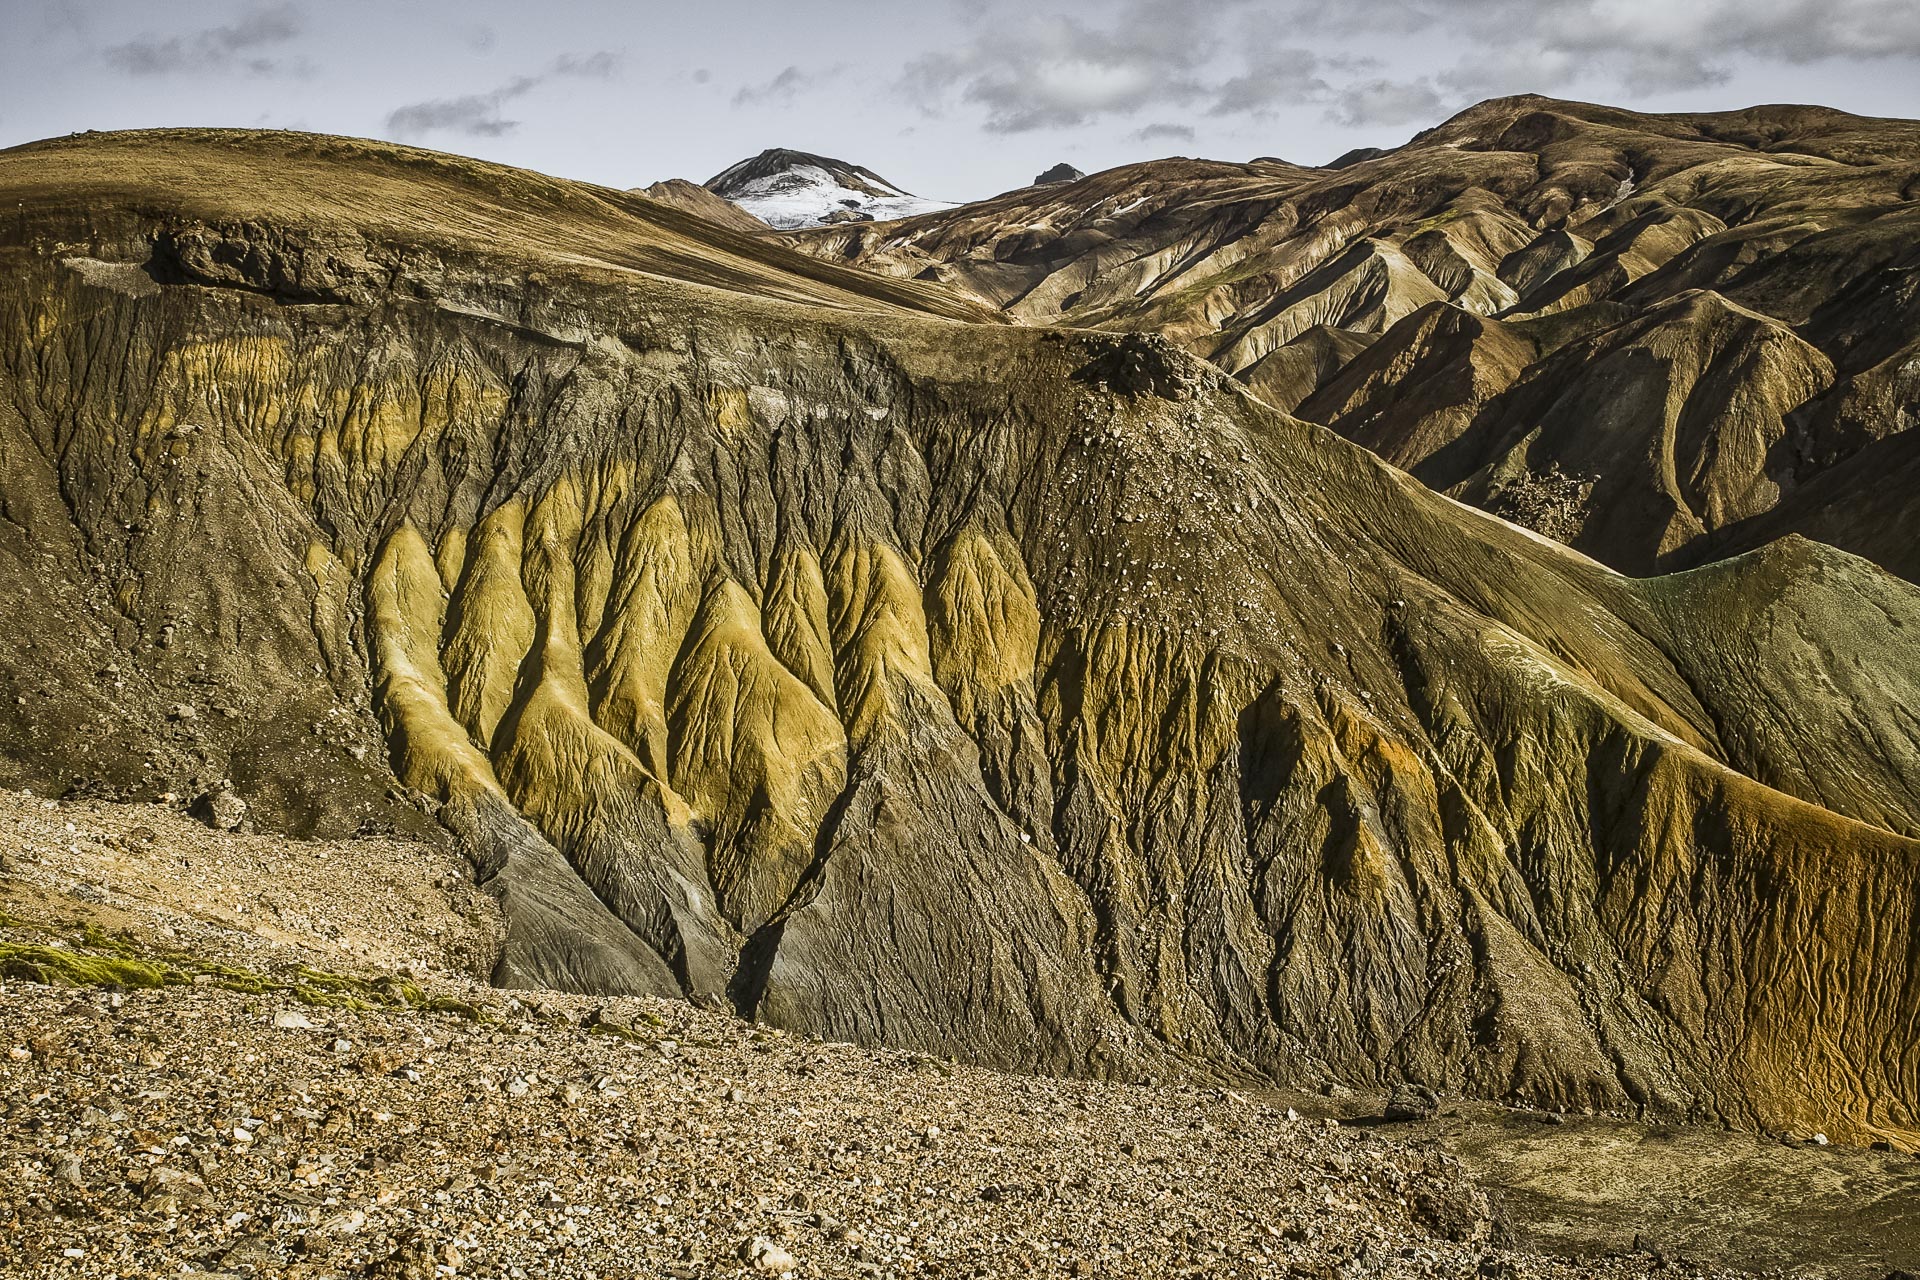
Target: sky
[950,99]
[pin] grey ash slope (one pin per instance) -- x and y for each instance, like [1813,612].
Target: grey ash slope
[770,632]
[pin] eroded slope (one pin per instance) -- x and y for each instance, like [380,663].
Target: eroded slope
[1035,696]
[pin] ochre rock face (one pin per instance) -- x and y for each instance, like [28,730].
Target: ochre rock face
[1648,336]
[771,633]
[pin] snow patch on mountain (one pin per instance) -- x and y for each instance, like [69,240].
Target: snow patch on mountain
[792,189]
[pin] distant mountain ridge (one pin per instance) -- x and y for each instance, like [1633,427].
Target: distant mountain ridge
[789,190]
[1649,336]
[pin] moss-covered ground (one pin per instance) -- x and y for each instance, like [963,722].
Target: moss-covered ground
[80,954]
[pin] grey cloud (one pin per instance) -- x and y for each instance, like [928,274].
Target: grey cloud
[1655,70]
[1278,77]
[595,66]
[1225,58]
[1162,133]
[1386,102]
[1493,72]
[1058,70]
[243,45]
[475,114]
[1050,64]
[1648,48]
[782,88]
[481,115]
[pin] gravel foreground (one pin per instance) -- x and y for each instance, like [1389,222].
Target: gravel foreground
[225,1124]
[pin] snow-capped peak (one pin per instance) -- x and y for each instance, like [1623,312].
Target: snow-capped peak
[792,189]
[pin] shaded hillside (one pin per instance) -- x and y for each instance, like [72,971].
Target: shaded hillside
[696,199]
[766,632]
[1645,335]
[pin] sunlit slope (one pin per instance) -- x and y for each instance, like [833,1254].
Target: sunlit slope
[1650,336]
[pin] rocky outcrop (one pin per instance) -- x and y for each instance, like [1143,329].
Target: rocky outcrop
[768,633]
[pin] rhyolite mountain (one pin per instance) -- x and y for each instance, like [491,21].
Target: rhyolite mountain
[774,633]
[1660,338]
[793,189]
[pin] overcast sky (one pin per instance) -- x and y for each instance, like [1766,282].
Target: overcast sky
[951,99]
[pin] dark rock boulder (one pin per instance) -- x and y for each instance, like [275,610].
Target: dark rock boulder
[1410,1101]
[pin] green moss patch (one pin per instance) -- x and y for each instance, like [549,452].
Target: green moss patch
[91,957]
[61,967]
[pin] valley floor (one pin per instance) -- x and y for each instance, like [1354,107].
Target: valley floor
[315,1088]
